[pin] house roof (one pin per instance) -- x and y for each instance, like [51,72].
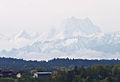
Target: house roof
[43,72]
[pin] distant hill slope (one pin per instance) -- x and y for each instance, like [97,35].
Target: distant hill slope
[51,65]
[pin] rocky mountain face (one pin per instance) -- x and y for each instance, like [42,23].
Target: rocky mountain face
[79,38]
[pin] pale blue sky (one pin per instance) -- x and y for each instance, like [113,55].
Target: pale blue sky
[39,15]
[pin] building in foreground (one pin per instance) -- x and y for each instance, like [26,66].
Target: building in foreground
[42,74]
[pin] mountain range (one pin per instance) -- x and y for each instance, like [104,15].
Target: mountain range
[79,38]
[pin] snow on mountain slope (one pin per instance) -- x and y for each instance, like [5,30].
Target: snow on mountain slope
[80,38]
[25,35]
[72,25]
[106,44]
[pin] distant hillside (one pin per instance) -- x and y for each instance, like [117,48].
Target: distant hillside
[51,65]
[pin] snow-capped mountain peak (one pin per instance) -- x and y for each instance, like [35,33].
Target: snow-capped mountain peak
[23,34]
[79,35]
[72,25]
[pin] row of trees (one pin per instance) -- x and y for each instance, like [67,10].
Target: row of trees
[95,73]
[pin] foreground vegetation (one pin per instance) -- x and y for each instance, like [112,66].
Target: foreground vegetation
[95,73]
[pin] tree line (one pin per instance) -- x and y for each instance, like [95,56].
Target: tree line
[95,73]
[51,65]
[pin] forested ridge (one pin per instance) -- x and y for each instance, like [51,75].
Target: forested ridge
[51,65]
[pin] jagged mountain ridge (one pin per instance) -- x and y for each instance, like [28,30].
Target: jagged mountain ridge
[86,26]
[78,34]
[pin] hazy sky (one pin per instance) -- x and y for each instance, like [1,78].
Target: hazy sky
[38,15]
